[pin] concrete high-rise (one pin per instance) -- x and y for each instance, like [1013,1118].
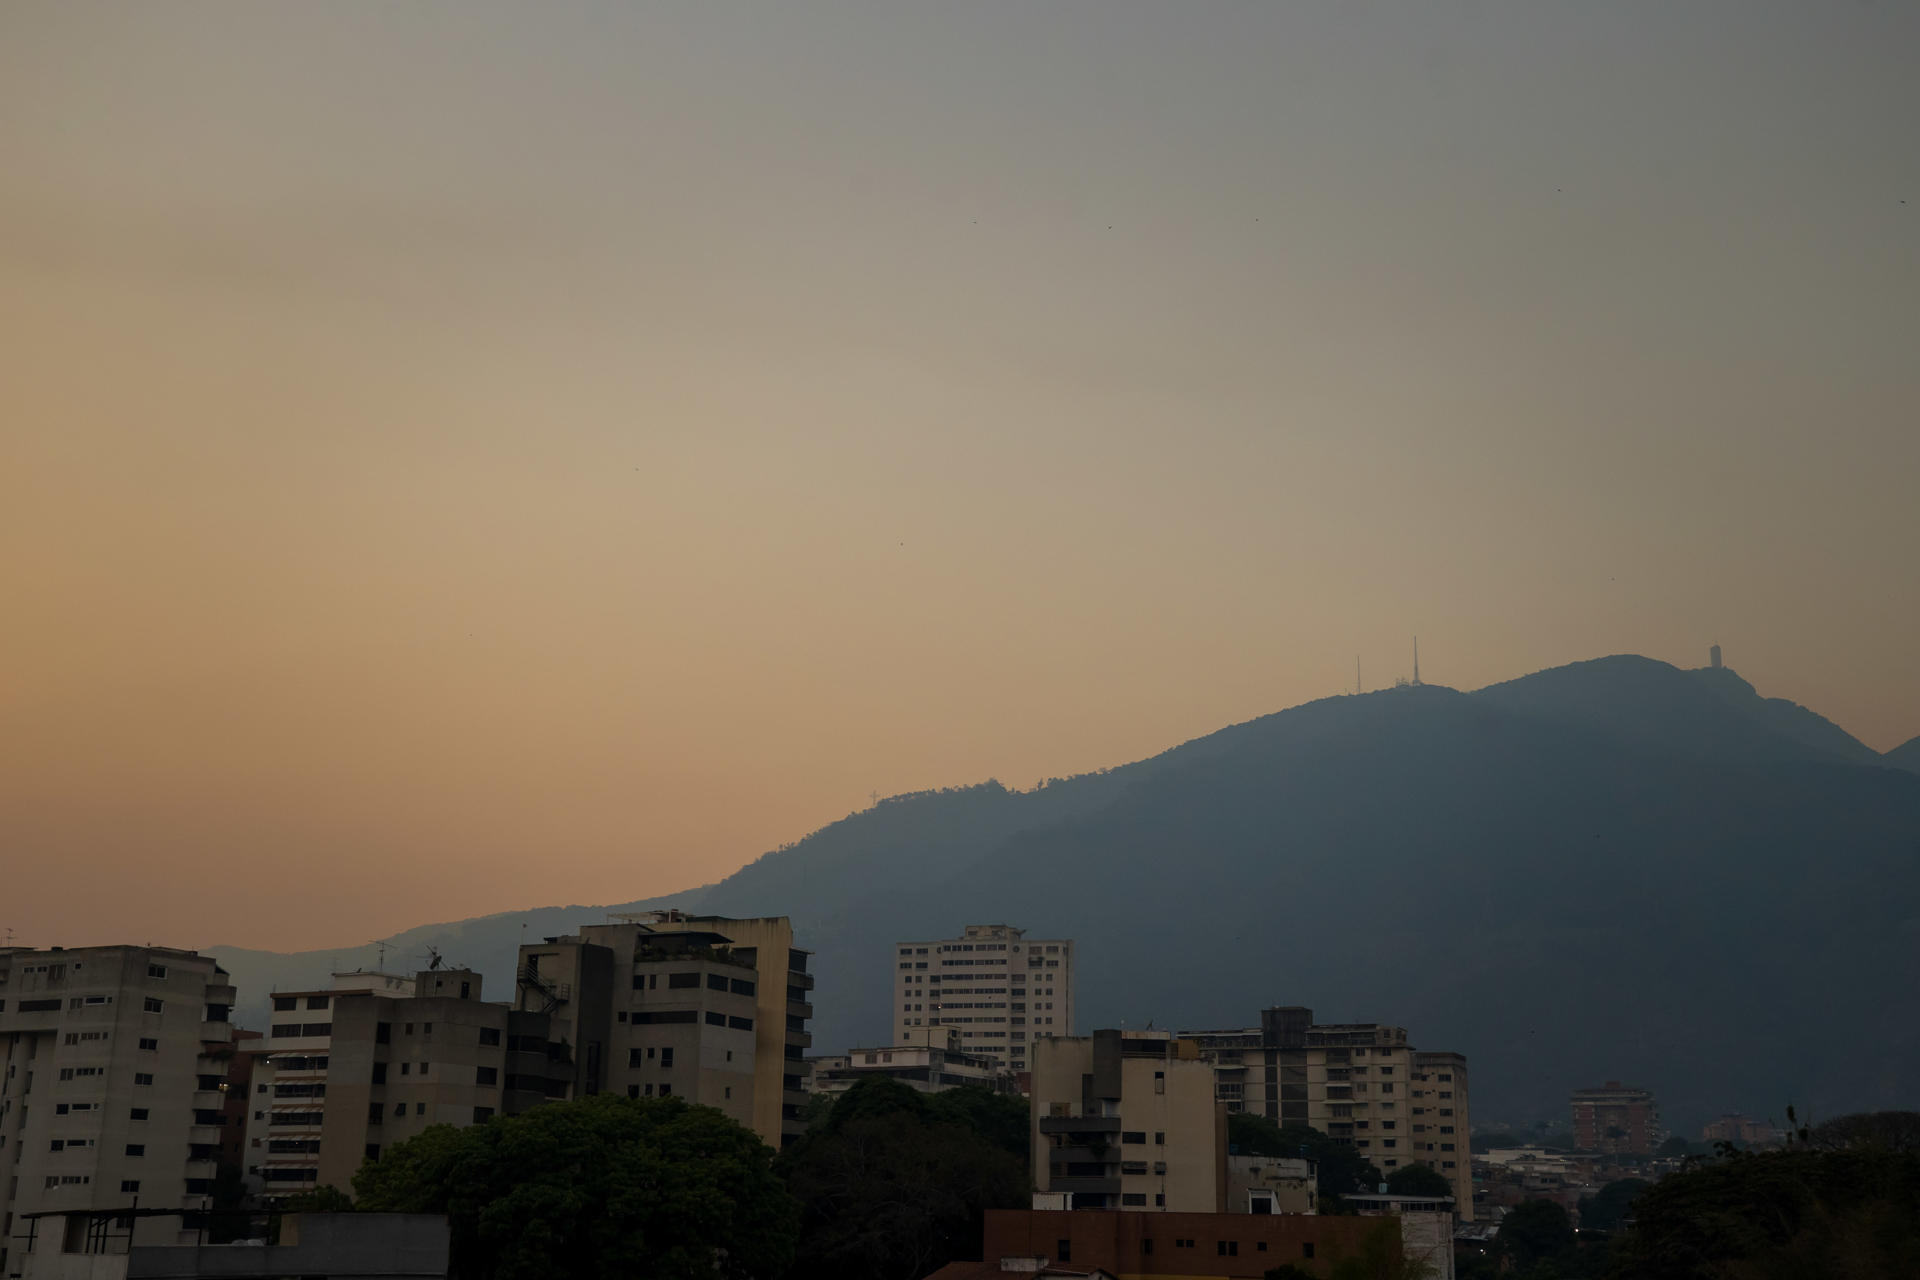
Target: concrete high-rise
[375,1059]
[1127,1120]
[1362,1084]
[661,1003]
[113,1073]
[1002,990]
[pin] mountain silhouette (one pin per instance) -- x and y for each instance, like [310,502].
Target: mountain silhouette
[1611,870]
[1905,756]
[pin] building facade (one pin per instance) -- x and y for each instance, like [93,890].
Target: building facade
[1127,1120]
[1194,1246]
[113,1074]
[930,1060]
[1361,1084]
[663,1004]
[377,1058]
[1617,1119]
[1002,990]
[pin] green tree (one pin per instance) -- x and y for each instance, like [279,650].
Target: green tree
[1607,1208]
[1380,1257]
[1803,1212]
[603,1186]
[328,1199]
[1533,1233]
[896,1183]
[1418,1180]
[1341,1170]
[1003,1119]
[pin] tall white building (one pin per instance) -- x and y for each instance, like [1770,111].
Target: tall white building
[999,988]
[113,1080]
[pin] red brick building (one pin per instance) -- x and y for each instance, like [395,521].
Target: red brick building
[1616,1119]
[1229,1246]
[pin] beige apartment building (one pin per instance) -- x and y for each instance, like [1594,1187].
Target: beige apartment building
[377,1058]
[1359,1083]
[663,1004]
[1002,990]
[930,1061]
[1127,1120]
[113,1066]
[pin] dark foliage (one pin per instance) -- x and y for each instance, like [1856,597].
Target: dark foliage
[1418,1180]
[1341,1170]
[1802,1213]
[1608,1207]
[896,1183]
[603,1186]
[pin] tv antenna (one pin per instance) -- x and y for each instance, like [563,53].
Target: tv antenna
[434,959]
[1416,659]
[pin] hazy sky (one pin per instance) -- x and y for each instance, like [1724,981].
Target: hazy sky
[466,456]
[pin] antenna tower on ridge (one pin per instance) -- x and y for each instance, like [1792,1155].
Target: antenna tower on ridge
[1416,659]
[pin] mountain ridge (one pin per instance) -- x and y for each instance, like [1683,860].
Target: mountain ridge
[1434,832]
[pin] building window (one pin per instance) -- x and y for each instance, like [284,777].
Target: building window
[1063,1251]
[138,1113]
[153,970]
[1306,1248]
[666,1057]
[1134,1198]
[1227,1248]
[130,1187]
[482,1114]
[152,1005]
[1133,1138]
[486,1075]
[136,1148]
[666,1090]
[143,1077]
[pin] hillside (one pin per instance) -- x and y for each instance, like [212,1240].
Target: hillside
[1616,869]
[1905,756]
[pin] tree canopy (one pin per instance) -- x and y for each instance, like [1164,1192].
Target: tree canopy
[1341,1169]
[1418,1180]
[1802,1213]
[1535,1232]
[896,1183]
[1608,1207]
[602,1186]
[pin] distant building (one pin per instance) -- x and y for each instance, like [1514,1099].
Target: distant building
[113,1074]
[1362,1084]
[664,1004]
[1270,1184]
[1194,1246]
[1002,989]
[930,1061]
[1744,1130]
[1713,657]
[1617,1119]
[346,1071]
[1127,1120]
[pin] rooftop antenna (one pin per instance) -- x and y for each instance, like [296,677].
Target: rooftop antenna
[1416,659]
[1358,688]
[383,956]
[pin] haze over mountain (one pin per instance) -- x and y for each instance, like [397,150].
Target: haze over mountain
[1611,870]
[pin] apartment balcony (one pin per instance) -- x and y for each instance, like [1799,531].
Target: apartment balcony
[1078,1154]
[1079,1124]
[1103,1186]
[800,978]
[205,1134]
[799,1009]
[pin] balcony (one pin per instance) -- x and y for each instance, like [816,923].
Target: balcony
[799,1009]
[1104,1186]
[1079,1124]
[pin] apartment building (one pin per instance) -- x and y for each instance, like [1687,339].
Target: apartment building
[930,1060]
[113,1062]
[1616,1118]
[1359,1083]
[1127,1120]
[375,1059]
[663,1004]
[1002,990]
[1186,1246]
